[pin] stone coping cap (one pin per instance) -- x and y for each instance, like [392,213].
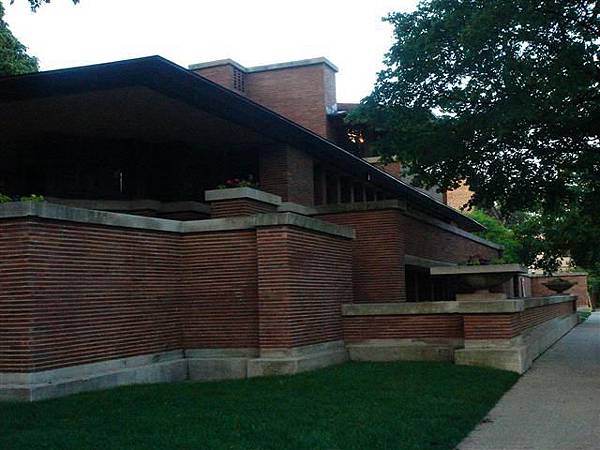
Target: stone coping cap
[51,211]
[557,274]
[361,206]
[275,66]
[401,205]
[452,307]
[132,205]
[296,208]
[477,269]
[216,195]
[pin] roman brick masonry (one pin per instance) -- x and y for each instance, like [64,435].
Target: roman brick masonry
[159,276]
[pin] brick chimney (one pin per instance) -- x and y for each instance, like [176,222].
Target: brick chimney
[302,91]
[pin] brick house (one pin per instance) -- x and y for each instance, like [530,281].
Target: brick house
[139,269]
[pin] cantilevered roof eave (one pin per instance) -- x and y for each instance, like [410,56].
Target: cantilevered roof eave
[175,81]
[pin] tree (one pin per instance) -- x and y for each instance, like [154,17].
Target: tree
[35,4]
[502,94]
[497,232]
[14,59]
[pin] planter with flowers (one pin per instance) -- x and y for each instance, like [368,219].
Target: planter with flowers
[240,197]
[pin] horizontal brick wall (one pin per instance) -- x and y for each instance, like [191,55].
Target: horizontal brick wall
[219,290]
[304,278]
[359,328]
[16,306]
[95,293]
[222,75]
[74,293]
[239,207]
[506,326]
[378,254]
[428,241]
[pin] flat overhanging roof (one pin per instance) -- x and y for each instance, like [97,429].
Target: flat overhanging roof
[178,84]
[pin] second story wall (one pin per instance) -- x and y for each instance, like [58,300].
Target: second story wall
[302,91]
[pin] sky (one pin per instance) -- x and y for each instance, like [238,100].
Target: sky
[350,33]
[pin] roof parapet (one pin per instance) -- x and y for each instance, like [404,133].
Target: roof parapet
[267,67]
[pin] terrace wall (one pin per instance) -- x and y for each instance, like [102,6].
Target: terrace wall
[385,233]
[120,299]
[580,289]
[90,293]
[507,334]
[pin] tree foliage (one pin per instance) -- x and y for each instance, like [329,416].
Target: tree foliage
[35,4]
[500,234]
[14,59]
[503,94]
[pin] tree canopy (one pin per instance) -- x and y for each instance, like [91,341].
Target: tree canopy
[502,94]
[35,4]
[14,59]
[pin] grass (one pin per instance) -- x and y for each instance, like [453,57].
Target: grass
[401,405]
[583,315]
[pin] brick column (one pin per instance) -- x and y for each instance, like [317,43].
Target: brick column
[303,279]
[287,172]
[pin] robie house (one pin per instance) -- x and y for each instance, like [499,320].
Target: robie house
[141,267]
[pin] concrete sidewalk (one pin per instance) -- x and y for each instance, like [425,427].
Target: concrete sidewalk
[555,405]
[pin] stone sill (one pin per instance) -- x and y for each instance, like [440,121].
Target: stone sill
[49,211]
[456,307]
[133,205]
[217,195]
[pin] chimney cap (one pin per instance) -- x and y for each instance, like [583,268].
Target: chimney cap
[267,67]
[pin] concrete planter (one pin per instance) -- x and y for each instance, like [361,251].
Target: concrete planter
[480,279]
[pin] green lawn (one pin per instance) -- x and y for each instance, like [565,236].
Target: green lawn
[401,405]
[583,315]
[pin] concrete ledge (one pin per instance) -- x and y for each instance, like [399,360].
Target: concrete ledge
[404,350]
[219,363]
[452,307]
[362,206]
[82,379]
[217,195]
[45,210]
[209,369]
[51,211]
[296,208]
[475,270]
[303,359]
[172,366]
[518,354]
[133,205]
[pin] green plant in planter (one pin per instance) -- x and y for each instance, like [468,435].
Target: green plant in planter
[24,198]
[32,198]
[239,182]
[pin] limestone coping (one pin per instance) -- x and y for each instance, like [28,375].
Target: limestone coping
[361,206]
[216,195]
[133,205]
[45,210]
[477,269]
[452,307]
[557,274]
[401,205]
[296,208]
